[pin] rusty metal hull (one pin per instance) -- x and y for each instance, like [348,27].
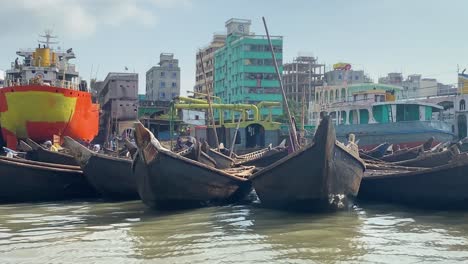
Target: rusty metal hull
[172,182]
[321,176]
[34,182]
[443,187]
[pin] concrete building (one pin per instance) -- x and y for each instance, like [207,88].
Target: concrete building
[393,78]
[300,77]
[446,89]
[244,69]
[342,74]
[163,81]
[207,56]
[118,97]
[414,86]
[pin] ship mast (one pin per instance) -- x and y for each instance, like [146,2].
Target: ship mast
[48,36]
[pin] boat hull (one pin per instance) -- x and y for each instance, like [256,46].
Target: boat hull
[407,134]
[443,187]
[39,112]
[111,177]
[173,183]
[322,176]
[34,182]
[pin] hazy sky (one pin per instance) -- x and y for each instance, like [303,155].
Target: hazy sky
[419,36]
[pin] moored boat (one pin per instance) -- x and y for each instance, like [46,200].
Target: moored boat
[29,181]
[166,180]
[320,176]
[110,176]
[442,187]
[39,153]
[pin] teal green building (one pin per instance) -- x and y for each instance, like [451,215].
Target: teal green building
[244,69]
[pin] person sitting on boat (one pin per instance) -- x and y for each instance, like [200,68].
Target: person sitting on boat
[96,148]
[48,144]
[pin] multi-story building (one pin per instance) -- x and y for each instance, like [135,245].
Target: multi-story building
[244,69]
[393,78]
[163,81]
[343,74]
[414,86]
[300,77]
[118,97]
[206,55]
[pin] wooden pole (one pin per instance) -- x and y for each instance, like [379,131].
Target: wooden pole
[208,99]
[292,127]
[235,136]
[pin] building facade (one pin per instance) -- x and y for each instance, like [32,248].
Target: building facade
[206,55]
[342,74]
[244,69]
[163,81]
[118,97]
[300,78]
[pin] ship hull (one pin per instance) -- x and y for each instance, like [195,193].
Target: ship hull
[39,112]
[405,134]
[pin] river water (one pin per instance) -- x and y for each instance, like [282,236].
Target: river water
[98,232]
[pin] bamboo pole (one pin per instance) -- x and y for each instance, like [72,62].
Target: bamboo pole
[235,136]
[292,127]
[208,98]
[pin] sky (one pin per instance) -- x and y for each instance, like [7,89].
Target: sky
[428,37]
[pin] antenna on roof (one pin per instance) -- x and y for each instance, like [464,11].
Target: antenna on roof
[48,36]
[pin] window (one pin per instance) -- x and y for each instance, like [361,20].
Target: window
[174,85]
[339,77]
[171,65]
[162,95]
[462,105]
[356,77]
[174,95]
[162,74]
[162,85]
[174,75]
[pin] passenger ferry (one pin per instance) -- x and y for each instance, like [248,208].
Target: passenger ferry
[373,113]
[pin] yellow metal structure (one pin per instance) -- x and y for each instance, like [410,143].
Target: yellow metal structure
[463,83]
[42,57]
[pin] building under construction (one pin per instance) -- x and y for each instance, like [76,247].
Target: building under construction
[300,77]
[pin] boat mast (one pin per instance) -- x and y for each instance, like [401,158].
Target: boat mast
[48,36]
[208,99]
[292,126]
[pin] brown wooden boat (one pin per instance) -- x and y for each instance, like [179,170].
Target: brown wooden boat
[41,154]
[442,187]
[320,176]
[430,159]
[112,177]
[409,153]
[166,180]
[258,158]
[32,181]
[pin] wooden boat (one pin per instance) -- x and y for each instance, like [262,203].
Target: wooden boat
[430,159]
[111,176]
[320,176]
[258,158]
[166,180]
[32,181]
[442,187]
[376,152]
[39,153]
[409,153]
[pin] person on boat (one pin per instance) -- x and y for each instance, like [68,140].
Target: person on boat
[48,144]
[96,148]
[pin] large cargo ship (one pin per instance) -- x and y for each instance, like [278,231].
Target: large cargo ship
[44,96]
